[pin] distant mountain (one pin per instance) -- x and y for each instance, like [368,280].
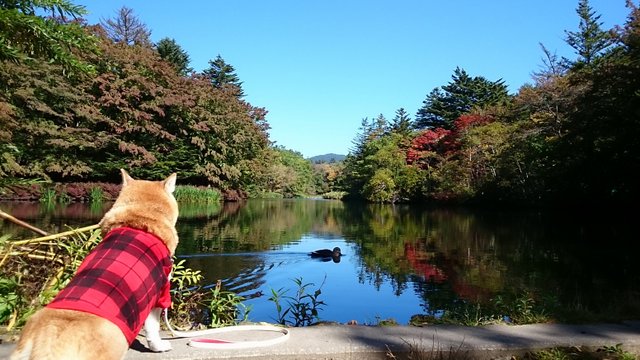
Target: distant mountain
[327,158]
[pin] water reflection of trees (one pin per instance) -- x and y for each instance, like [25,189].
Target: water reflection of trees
[442,255]
[52,218]
[251,227]
[257,225]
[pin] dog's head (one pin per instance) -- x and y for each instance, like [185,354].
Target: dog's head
[145,205]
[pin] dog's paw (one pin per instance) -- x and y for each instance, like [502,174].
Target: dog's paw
[159,345]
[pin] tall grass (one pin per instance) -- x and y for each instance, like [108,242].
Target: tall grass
[193,194]
[33,271]
[48,196]
[96,195]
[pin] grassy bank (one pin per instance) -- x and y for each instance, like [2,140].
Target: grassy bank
[95,192]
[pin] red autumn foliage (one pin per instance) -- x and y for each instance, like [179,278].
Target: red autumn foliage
[419,260]
[470,120]
[437,141]
[441,141]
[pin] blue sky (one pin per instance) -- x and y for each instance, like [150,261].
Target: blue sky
[319,67]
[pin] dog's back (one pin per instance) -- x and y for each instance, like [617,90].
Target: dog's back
[53,334]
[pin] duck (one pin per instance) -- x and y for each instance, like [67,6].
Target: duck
[326,254]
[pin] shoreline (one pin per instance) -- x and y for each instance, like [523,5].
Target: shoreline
[375,342]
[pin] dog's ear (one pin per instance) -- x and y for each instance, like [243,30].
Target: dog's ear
[170,183]
[125,178]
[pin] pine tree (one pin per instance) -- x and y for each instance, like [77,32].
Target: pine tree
[590,41]
[171,52]
[220,74]
[445,104]
[401,123]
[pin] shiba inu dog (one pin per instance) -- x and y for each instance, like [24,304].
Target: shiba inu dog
[121,286]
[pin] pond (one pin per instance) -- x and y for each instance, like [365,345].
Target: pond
[398,260]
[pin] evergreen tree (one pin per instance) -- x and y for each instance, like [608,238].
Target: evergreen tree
[445,104]
[401,123]
[26,36]
[380,126]
[590,40]
[171,52]
[220,74]
[127,28]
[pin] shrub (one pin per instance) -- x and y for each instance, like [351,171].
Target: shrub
[334,195]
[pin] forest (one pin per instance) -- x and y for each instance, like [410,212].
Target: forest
[571,137]
[79,101]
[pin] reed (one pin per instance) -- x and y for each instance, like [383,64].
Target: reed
[96,195]
[34,270]
[48,196]
[193,194]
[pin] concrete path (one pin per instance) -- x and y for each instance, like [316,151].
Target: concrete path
[363,342]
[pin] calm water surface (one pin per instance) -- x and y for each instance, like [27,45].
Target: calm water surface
[398,260]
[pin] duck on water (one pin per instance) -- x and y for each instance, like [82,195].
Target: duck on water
[326,254]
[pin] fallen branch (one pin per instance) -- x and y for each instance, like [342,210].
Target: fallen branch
[14,220]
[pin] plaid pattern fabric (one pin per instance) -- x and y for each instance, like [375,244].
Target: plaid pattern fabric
[121,280]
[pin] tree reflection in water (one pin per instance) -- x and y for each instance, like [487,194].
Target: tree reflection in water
[399,259]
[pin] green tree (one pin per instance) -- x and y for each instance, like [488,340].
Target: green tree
[357,170]
[303,182]
[283,172]
[445,104]
[24,36]
[603,126]
[127,28]
[401,123]
[377,169]
[381,187]
[590,41]
[326,176]
[171,52]
[222,74]
[482,148]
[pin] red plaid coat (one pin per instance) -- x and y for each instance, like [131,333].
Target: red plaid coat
[121,280]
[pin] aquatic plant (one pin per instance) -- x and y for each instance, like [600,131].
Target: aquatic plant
[225,307]
[48,196]
[96,195]
[303,307]
[187,193]
[64,198]
[194,305]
